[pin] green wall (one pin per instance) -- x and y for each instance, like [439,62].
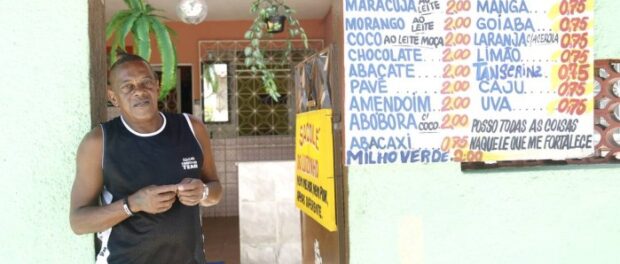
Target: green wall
[44,73]
[436,214]
[606,35]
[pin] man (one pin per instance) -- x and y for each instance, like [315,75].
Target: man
[151,171]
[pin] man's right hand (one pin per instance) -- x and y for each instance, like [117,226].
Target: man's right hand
[153,199]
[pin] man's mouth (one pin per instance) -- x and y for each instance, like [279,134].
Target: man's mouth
[142,103]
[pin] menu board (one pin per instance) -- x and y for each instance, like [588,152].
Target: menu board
[460,80]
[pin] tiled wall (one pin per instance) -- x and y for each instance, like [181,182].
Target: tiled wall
[228,152]
[269,222]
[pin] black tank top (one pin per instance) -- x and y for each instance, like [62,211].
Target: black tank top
[132,161]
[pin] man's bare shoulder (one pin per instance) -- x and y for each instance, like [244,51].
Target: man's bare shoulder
[199,127]
[92,143]
[195,120]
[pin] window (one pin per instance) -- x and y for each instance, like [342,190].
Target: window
[253,112]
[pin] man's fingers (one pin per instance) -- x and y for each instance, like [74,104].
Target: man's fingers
[163,209]
[166,188]
[193,194]
[188,184]
[163,197]
[166,198]
[189,199]
[187,187]
[164,205]
[187,180]
[167,201]
[167,195]
[189,202]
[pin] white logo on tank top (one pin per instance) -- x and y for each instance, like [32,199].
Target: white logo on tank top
[189,163]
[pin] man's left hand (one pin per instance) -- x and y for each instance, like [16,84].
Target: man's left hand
[190,191]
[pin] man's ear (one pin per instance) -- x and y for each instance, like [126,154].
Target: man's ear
[112,97]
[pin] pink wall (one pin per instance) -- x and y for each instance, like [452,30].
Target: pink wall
[187,38]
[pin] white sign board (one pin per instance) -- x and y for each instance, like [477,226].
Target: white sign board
[439,81]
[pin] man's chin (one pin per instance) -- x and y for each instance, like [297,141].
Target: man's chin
[143,112]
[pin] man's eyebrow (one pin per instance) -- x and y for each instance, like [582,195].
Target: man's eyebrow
[130,79]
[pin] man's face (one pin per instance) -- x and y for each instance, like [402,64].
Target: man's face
[134,90]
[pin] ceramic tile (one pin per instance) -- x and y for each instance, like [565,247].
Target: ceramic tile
[262,254]
[257,223]
[289,223]
[288,253]
[254,183]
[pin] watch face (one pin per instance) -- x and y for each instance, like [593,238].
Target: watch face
[126,207]
[205,191]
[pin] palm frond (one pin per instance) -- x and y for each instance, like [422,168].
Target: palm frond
[142,33]
[125,28]
[149,9]
[129,4]
[116,21]
[171,31]
[168,56]
[113,48]
[135,4]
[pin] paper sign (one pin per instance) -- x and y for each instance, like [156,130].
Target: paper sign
[314,163]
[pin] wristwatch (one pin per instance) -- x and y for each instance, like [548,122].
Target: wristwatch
[126,207]
[205,191]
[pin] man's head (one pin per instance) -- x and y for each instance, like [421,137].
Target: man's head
[133,87]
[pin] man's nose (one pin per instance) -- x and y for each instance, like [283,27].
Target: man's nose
[140,88]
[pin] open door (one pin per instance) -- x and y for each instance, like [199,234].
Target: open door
[319,171]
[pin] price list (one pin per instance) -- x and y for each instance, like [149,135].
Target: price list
[456,90]
[461,80]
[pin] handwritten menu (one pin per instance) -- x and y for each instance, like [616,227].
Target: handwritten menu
[462,80]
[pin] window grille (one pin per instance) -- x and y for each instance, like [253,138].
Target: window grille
[253,111]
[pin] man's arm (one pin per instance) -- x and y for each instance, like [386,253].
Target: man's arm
[209,172]
[190,192]
[86,215]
